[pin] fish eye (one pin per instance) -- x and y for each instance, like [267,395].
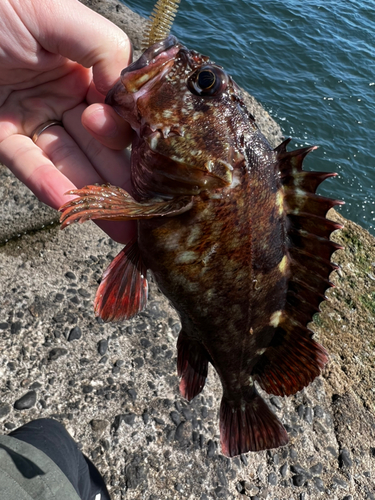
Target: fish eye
[207,81]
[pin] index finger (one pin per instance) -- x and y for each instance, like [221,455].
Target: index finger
[74,31]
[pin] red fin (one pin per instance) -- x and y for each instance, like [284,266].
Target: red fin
[192,366]
[249,425]
[310,264]
[308,251]
[313,204]
[281,148]
[300,186]
[291,361]
[123,290]
[290,162]
[319,226]
[315,245]
[113,203]
[307,181]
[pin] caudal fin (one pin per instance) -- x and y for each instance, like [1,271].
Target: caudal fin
[192,366]
[249,425]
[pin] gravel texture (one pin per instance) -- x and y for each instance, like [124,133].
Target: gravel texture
[115,388]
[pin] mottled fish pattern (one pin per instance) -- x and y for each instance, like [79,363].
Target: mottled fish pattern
[232,231]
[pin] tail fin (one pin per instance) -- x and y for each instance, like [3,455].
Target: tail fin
[249,425]
[192,366]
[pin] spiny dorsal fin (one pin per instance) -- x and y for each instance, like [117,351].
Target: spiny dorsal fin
[307,181]
[293,359]
[310,248]
[290,162]
[299,186]
[281,148]
[298,201]
[320,226]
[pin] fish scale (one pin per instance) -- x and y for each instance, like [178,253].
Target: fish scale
[232,231]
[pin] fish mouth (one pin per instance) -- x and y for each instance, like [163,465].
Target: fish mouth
[153,64]
[150,54]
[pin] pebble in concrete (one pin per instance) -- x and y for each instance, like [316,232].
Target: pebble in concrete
[344,458]
[56,353]
[272,479]
[75,334]
[102,346]
[4,410]
[316,469]
[26,401]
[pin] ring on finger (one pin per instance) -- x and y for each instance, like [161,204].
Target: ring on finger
[41,128]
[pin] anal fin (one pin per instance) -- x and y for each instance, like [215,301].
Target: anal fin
[123,290]
[249,425]
[192,366]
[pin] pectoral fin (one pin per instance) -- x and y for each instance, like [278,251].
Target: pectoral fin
[113,203]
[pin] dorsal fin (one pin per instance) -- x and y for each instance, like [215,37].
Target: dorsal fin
[293,359]
[299,187]
[290,162]
[281,148]
[308,181]
[308,233]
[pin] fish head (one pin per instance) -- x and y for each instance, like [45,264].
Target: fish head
[185,107]
[140,78]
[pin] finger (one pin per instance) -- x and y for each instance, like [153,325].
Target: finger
[81,35]
[26,109]
[32,167]
[70,160]
[93,95]
[107,126]
[67,157]
[122,232]
[113,166]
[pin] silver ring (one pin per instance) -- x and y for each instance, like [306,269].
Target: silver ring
[50,123]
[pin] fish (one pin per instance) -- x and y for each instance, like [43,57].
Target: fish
[232,231]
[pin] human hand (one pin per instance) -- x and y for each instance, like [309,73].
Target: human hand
[58,59]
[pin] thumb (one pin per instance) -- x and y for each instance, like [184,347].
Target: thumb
[69,29]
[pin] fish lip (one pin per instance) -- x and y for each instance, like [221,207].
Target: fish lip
[151,53]
[154,63]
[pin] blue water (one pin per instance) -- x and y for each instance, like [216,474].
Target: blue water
[311,64]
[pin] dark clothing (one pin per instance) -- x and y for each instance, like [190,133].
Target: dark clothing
[44,461]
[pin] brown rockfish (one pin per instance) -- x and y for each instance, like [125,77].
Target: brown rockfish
[232,231]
